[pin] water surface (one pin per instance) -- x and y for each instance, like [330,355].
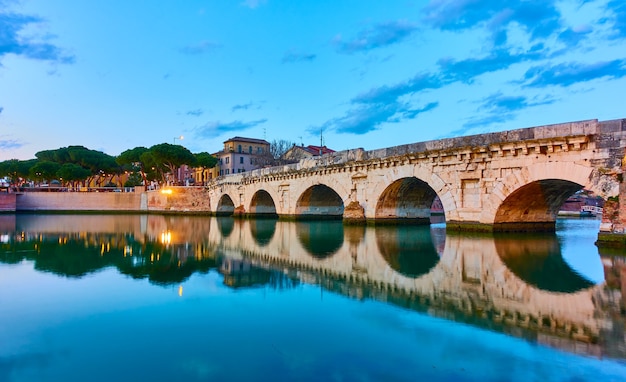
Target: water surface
[169,298]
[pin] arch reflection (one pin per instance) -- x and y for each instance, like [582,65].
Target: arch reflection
[321,239]
[537,259]
[225,225]
[262,230]
[409,250]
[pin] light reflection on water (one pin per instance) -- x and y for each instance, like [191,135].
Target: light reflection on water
[107,297]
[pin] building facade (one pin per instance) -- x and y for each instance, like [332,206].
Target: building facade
[295,153]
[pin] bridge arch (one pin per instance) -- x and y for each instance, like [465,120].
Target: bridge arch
[529,199]
[409,199]
[321,202]
[262,204]
[225,206]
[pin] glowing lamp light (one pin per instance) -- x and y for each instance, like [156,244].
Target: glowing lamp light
[166,191]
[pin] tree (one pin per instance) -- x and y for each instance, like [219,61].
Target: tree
[72,173]
[205,160]
[44,170]
[279,147]
[98,163]
[131,159]
[170,157]
[274,157]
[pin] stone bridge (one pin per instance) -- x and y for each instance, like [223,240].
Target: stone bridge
[508,181]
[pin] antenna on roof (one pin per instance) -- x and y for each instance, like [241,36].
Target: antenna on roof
[265,133]
[321,139]
[301,143]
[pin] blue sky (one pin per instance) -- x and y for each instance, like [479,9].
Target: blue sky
[115,74]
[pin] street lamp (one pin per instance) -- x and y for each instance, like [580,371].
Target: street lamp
[179,138]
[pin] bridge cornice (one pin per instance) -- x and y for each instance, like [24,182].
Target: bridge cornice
[448,156]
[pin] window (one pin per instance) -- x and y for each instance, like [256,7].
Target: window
[227,171]
[241,160]
[227,160]
[239,148]
[250,149]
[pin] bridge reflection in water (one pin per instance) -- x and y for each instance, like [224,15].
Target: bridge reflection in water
[519,285]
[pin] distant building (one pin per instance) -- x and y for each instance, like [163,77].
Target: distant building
[295,153]
[241,154]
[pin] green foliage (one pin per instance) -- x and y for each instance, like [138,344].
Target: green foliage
[131,156]
[44,170]
[166,156]
[71,172]
[93,160]
[133,180]
[205,160]
[14,168]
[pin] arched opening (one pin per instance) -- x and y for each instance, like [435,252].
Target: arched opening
[262,230]
[535,206]
[410,251]
[320,238]
[225,207]
[408,200]
[319,202]
[537,260]
[262,204]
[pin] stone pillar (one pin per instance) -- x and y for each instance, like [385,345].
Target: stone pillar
[354,213]
[613,227]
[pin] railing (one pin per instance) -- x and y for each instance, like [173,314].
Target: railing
[76,189]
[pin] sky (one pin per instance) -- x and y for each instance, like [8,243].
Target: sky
[112,75]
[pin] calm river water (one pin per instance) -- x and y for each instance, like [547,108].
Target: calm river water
[171,298]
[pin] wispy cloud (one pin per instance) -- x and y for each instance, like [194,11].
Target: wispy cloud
[574,36]
[381,35]
[540,18]
[293,56]
[390,93]
[365,118]
[499,108]
[14,41]
[244,106]
[7,144]
[216,128]
[200,48]
[253,4]
[195,113]
[1,109]
[570,73]
[466,70]
[618,7]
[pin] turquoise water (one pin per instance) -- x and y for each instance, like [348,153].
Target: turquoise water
[197,299]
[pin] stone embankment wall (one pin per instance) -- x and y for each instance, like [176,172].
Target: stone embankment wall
[177,199]
[78,201]
[7,202]
[180,199]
